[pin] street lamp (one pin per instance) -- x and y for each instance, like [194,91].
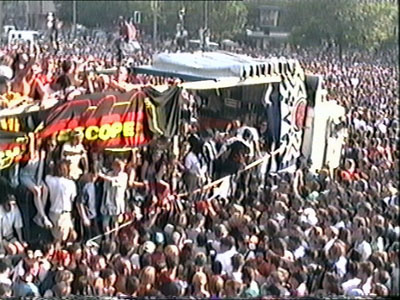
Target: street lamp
[154,8]
[74,17]
[205,14]
[182,16]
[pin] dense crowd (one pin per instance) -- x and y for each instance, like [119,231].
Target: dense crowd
[292,234]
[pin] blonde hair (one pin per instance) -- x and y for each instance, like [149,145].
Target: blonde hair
[171,250]
[148,275]
[234,286]
[199,279]
[64,276]
[216,284]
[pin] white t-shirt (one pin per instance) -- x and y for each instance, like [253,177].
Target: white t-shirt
[5,280]
[354,284]
[340,266]
[359,124]
[364,249]
[62,193]
[73,159]
[193,165]
[225,259]
[114,194]
[120,181]
[253,132]
[9,220]
[299,252]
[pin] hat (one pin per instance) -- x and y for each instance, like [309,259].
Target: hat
[77,133]
[7,72]
[149,247]
[355,293]
[159,238]
[309,216]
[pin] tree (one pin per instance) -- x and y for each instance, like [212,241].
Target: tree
[91,13]
[348,23]
[226,18]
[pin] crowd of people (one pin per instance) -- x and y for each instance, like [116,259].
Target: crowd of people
[77,222]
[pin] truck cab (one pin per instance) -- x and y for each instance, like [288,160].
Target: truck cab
[15,36]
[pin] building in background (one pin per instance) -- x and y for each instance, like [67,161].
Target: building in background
[268,28]
[25,14]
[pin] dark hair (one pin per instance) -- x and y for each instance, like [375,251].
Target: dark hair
[66,66]
[195,144]
[3,85]
[237,261]
[74,247]
[125,247]
[107,273]
[201,239]
[216,267]
[247,134]
[108,248]
[10,197]
[172,261]
[63,82]
[208,133]
[132,284]
[4,290]
[4,266]
[200,260]
[366,267]
[145,260]
[248,274]
[171,289]
[273,290]
[300,277]
[227,242]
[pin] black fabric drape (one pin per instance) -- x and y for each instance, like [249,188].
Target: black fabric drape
[312,83]
[273,115]
[168,110]
[7,138]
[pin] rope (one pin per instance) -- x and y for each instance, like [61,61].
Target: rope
[201,189]
[108,232]
[219,181]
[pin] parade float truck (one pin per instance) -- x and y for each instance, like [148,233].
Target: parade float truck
[226,86]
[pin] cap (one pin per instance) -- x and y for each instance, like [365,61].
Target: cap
[10,198]
[149,247]
[159,238]
[77,133]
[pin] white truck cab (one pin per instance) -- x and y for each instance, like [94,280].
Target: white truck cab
[22,35]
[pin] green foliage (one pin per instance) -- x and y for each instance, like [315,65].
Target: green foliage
[349,23]
[225,18]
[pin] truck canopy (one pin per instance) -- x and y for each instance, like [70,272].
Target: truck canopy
[200,66]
